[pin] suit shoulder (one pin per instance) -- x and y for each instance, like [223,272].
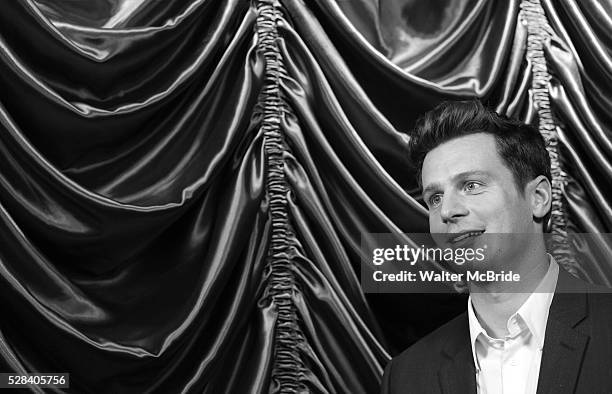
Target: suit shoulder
[601,303]
[429,347]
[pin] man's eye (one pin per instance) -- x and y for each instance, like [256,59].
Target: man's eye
[472,186]
[435,200]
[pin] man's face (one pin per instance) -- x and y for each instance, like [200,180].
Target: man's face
[470,190]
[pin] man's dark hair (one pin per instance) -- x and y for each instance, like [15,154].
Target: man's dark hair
[520,145]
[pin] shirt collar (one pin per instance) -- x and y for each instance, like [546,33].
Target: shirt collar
[534,311]
[533,314]
[475,331]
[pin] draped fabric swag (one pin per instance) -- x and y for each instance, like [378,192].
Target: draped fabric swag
[184,184]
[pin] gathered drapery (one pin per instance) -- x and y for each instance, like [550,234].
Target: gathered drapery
[184,185]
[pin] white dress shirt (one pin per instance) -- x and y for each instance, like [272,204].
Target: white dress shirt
[511,365]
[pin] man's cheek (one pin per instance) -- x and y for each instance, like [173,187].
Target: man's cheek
[485,206]
[435,223]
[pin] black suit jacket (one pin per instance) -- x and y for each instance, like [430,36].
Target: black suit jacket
[577,354]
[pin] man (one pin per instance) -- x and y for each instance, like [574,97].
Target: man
[482,173]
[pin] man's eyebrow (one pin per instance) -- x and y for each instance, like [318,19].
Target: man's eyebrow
[431,187]
[466,174]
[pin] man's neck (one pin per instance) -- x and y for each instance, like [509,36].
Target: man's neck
[495,302]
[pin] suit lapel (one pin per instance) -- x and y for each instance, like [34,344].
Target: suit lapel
[457,373]
[564,346]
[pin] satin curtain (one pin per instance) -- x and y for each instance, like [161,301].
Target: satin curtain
[135,219]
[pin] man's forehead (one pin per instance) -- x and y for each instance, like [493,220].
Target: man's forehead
[474,153]
[478,144]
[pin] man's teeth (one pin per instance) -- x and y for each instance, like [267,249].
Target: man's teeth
[464,236]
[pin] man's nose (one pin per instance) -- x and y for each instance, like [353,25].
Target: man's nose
[453,208]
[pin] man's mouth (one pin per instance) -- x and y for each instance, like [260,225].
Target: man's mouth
[456,238]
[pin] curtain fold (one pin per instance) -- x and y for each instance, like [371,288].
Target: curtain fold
[184,185]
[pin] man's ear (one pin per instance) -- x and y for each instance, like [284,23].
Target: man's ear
[539,194]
